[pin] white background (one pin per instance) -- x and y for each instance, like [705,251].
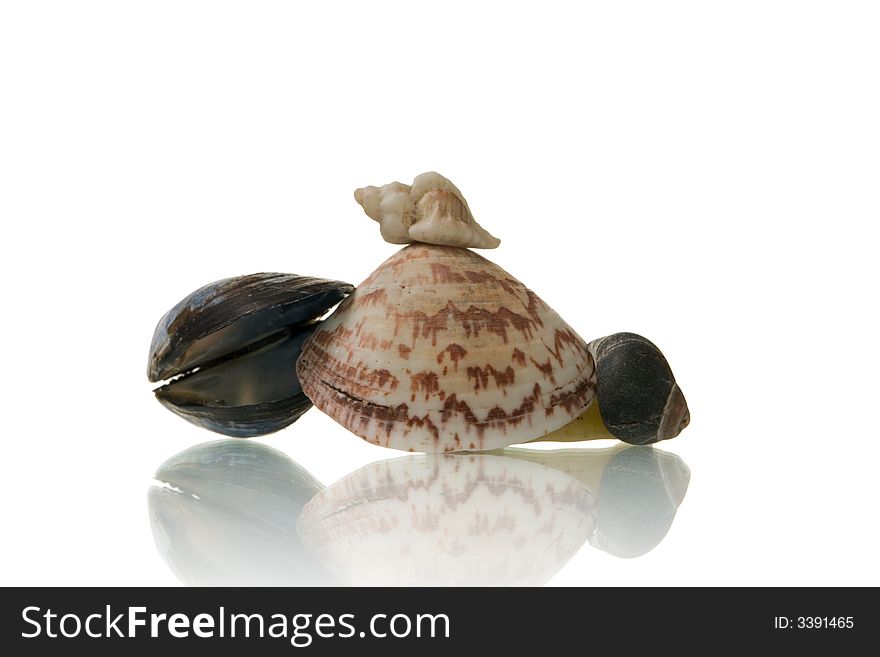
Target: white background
[703,173]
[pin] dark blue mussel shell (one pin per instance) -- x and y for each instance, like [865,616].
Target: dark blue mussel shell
[232,346]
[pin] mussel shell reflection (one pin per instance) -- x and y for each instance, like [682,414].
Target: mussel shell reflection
[224,513]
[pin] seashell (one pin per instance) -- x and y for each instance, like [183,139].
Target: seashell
[250,395]
[224,514]
[441,350]
[231,313]
[232,345]
[432,211]
[639,400]
[448,520]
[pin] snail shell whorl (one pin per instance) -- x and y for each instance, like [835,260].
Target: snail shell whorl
[432,210]
[442,350]
[639,400]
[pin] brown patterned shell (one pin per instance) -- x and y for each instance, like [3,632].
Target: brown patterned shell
[441,350]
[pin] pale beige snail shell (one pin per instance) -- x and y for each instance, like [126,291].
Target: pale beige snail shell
[432,210]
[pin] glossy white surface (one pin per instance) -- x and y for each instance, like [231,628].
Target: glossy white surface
[704,174]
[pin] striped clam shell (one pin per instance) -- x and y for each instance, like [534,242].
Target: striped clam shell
[441,350]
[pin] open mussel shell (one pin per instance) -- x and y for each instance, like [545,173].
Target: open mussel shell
[232,348]
[224,514]
[251,395]
[228,315]
[639,400]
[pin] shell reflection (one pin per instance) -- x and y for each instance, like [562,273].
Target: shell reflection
[233,512]
[475,519]
[511,518]
[224,513]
